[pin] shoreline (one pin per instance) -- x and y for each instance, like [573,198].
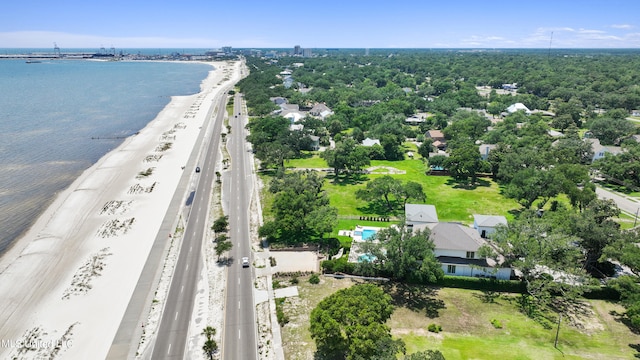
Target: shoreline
[79,262]
[24,229]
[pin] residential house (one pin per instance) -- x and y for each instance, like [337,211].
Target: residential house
[518,107]
[599,150]
[278,100]
[296,127]
[420,216]
[370,142]
[485,149]
[292,112]
[457,246]
[321,110]
[555,134]
[415,119]
[438,139]
[293,116]
[487,224]
[635,112]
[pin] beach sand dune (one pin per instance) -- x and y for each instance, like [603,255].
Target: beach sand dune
[65,285]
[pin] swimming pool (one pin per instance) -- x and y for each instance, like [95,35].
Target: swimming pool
[367,258]
[368,233]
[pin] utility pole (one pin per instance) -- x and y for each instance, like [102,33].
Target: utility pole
[555,344]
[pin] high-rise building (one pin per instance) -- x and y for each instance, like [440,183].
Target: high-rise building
[227,50]
[297,50]
[306,52]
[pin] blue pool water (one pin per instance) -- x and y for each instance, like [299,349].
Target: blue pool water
[367,234]
[366,258]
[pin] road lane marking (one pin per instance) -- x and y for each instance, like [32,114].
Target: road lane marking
[187,268]
[169,349]
[190,248]
[239,334]
[182,289]
[239,305]
[176,318]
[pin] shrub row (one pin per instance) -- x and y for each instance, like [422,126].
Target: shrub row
[472,283]
[601,293]
[340,265]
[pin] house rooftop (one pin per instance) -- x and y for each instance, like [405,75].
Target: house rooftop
[370,142]
[435,134]
[517,107]
[420,213]
[489,220]
[454,236]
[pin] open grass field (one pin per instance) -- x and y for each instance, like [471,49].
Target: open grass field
[452,201]
[467,332]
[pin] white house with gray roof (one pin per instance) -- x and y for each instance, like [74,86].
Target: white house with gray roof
[320,110]
[487,224]
[457,246]
[420,214]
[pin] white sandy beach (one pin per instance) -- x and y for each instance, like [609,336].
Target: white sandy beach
[66,284]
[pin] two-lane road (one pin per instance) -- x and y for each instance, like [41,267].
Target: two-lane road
[170,342]
[239,337]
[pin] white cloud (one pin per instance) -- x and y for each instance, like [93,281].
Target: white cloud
[622,26]
[588,31]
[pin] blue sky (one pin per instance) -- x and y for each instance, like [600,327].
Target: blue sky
[321,24]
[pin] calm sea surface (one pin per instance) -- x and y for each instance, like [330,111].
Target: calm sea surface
[49,113]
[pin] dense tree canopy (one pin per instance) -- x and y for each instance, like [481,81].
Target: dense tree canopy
[350,324]
[403,255]
[301,209]
[391,192]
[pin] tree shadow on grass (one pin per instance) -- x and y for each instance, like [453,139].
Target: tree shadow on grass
[465,185]
[619,317]
[415,297]
[488,296]
[377,207]
[635,347]
[351,179]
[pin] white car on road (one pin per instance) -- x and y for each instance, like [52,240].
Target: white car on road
[245,262]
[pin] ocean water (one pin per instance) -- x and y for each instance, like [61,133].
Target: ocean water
[57,118]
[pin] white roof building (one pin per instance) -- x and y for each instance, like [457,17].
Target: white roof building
[370,142]
[517,107]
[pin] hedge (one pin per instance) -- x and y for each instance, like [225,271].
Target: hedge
[473,283]
[601,293]
[340,265]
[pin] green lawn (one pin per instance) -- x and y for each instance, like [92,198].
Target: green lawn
[453,202]
[467,332]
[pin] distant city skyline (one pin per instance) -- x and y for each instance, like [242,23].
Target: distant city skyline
[327,24]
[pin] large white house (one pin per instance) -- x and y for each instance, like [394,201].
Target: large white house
[456,247]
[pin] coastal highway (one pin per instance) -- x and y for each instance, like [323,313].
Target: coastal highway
[239,336]
[171,338]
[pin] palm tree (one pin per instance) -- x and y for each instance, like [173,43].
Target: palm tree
[210,346]
[209,332]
